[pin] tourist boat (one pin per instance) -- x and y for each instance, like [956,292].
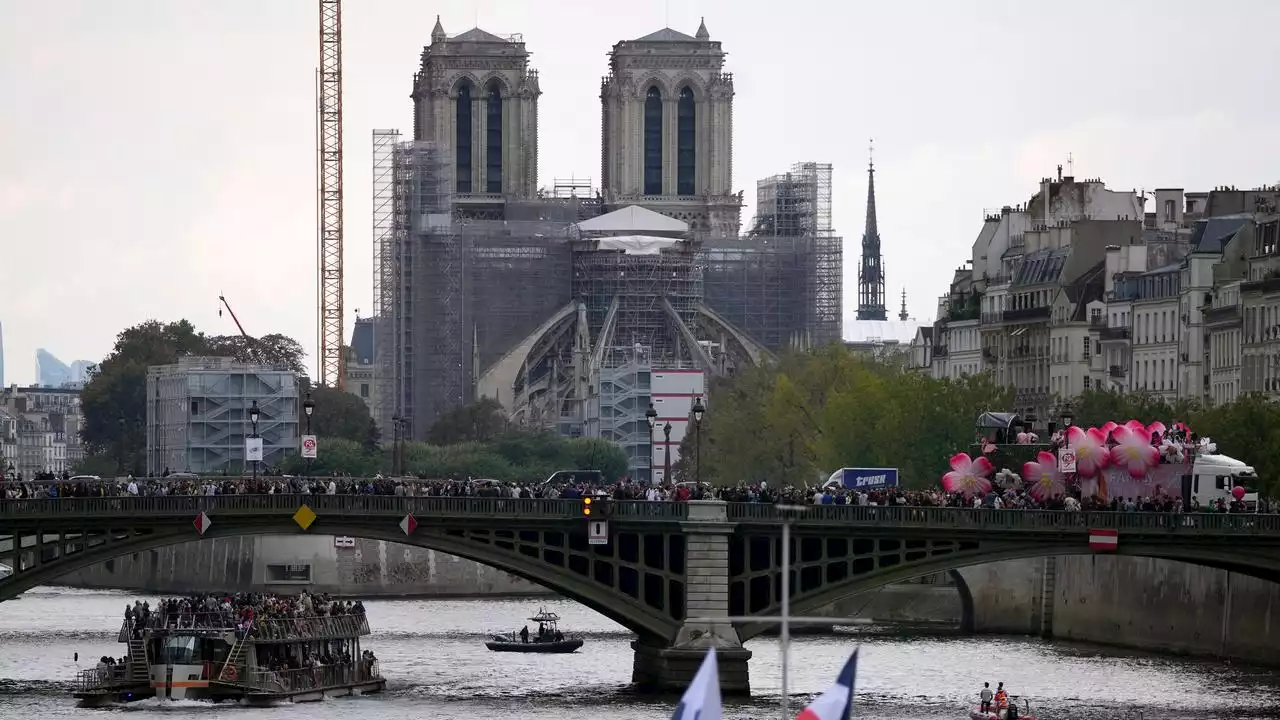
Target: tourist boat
[548,639]
[1013,712]
[212,656]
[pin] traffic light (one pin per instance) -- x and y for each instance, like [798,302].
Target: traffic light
[586,507]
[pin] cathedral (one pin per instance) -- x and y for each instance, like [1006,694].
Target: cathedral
[572,307]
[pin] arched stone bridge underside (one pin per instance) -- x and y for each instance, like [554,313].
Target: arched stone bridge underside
[668,570]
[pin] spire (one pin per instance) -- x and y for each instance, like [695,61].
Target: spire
[871,272]
[437,33]
[702,30]
[902,314]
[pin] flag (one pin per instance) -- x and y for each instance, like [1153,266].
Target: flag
[702,700]
[837,702]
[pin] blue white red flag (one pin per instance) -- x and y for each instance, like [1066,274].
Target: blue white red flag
[837,702]
[702,700]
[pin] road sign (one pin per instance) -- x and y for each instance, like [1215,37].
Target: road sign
[1104,540]
[308,446]
[409,524]
[253,449]
[1067,460]
[598,532]
[202,523]
[305,517]
[343,541]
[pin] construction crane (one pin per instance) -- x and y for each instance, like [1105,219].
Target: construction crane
[329,169]
[252,342]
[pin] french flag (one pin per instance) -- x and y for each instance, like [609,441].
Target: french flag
[837,702]
[702,700]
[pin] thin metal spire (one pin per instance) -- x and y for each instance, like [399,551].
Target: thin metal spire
[871,272]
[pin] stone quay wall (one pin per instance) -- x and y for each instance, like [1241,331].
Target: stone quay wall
[352,567]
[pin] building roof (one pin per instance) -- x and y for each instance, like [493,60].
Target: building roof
[1213,234]
[667,35]
[634,219]
[362,340]
[1090,286]
[477,35]
[1042,266]
[1171,267]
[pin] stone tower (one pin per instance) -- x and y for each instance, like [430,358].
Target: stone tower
[871,271]
[476,97]
[667,130]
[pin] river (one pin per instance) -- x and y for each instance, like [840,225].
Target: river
[432,655]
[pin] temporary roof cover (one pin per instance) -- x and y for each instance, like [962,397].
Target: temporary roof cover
[634,219]
[1003,420]
[636,244]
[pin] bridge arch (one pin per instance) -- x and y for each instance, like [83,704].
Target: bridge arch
[1262,565]
[647,622]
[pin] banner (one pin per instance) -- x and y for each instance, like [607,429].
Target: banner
[308,446]
[866,478]
[253,449]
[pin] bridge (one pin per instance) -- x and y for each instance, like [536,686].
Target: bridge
[668,570]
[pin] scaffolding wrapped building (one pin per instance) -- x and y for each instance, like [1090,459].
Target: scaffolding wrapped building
[198,415]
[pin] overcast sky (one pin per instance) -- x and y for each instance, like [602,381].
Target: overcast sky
[156,153]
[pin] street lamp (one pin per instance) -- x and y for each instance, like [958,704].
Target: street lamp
[308,407]
[666,452]
[1068,416]
[395,446]
[140,430]
[652,416]
[698,410]
[120,446]
[253,420]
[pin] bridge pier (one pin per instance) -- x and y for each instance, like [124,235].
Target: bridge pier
[671,668]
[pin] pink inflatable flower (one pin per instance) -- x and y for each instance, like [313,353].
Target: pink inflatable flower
[1156,426]
[1107,428]
[968,476]
[1043,478]
[1092,456]
[1134,451]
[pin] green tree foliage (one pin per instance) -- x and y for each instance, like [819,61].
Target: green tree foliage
[117,386]
[481,421]
[810,414]
[335,456]
[340,414]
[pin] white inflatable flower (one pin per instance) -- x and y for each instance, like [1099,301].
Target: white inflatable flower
[1007,479]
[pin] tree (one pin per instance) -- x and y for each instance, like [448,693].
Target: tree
[271,349]
[481,421]
[334,456]
[340,414]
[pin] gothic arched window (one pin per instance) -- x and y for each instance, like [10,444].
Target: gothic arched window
[493,139]
[462,139]
[686,148]
[653,142]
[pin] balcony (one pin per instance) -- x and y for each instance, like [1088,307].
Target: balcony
[1116,371]
[989,318]
[1266,285]
[1113,333]
[940,351]
[1026,314]
[1223,316]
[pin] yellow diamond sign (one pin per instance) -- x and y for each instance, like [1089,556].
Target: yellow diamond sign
[304,517]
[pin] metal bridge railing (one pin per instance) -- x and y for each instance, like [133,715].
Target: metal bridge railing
[186,506]
[990,519]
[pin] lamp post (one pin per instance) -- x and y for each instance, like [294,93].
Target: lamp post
[1068,416]
[652,416]
[666,453]
[395,446]
[120,446]
[308,407]
[140,430]
[698,410]
[253,420]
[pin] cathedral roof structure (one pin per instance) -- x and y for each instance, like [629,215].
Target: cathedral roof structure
[477,35]
[634,219]
[667,35]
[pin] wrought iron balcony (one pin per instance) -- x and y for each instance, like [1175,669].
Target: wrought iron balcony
[1116,371]
[1025,314]
[1225,315]
[1113,333]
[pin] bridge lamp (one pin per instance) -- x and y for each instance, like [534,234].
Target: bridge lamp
[586,507]
[1067,417]
[253,415]
[698,410]
[652,416]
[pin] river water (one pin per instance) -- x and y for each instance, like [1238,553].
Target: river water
[436,665]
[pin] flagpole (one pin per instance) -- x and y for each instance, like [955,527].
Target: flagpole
[784,642]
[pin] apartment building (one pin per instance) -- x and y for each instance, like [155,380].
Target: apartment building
[40,430]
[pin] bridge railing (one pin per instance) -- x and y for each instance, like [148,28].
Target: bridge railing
[319,627]
[364,505]
[1004,519]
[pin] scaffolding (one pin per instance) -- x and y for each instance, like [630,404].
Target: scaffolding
[795,203]
[385,143]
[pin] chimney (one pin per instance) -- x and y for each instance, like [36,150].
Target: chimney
[1059,173]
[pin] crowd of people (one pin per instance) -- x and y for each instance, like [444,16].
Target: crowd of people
[247,613]
[760,492]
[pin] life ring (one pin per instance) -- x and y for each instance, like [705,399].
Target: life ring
[229,673]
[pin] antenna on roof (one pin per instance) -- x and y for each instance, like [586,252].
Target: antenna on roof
[666,13]
[1071,165]
[871,153]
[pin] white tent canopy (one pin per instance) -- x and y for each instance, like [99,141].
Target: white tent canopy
[636,244]
[633,219]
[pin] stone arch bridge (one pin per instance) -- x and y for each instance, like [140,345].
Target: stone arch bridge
[668,571]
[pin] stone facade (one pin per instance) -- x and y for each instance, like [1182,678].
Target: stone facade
[667,64]
[484,67]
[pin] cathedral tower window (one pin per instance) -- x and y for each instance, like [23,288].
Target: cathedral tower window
[462,139]
[686,155]
[493,139]
[653,142]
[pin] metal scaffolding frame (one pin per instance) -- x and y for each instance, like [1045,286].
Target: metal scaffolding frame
[385,143]
[795,203]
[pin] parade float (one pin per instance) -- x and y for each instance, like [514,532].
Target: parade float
[1114,461]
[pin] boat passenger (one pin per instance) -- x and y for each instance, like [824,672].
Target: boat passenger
[524,634]
[985,696]
[1002,698]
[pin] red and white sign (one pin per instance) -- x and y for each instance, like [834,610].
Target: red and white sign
[308,446]
[1104,540]
[202,523]
[1067,460]
[408,524]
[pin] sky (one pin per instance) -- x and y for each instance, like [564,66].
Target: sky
[157,153]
